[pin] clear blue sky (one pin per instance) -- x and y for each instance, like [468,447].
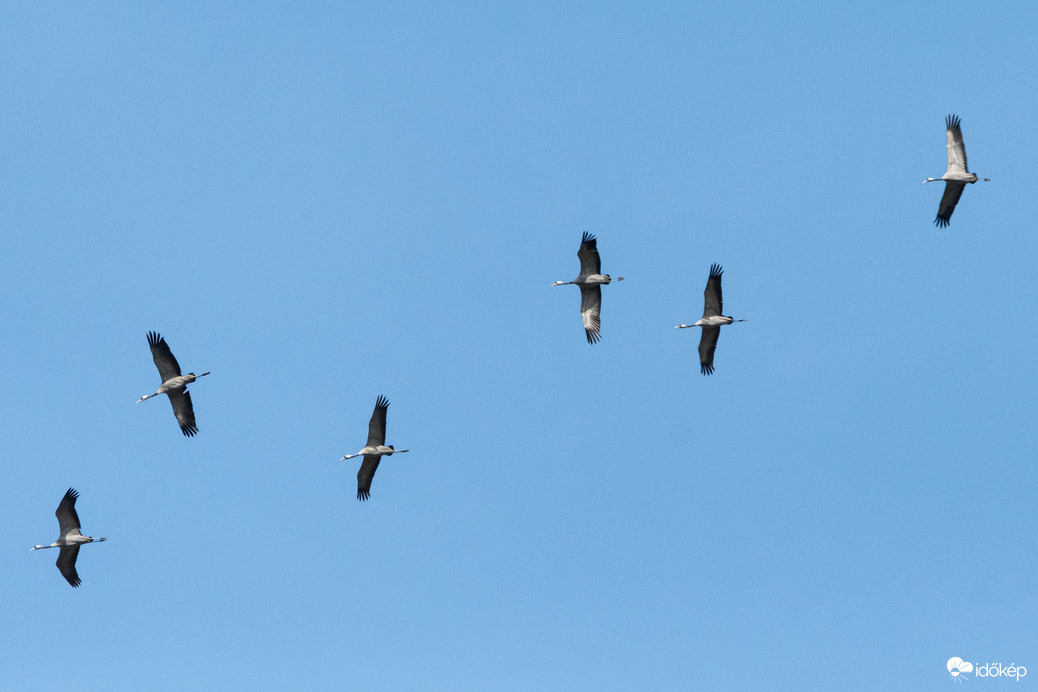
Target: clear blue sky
[324,202]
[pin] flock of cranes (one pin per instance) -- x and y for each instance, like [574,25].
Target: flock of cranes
[590,280]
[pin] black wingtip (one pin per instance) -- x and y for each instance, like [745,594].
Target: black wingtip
[154,339]
[71,494]
[942,221]
[74,583]
[588,238]
[381,402]
[363,495]
[189,430]
[715,270]
[952,122]
[706,369]
[592,337]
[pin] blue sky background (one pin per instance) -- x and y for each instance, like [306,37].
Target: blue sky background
[324,202]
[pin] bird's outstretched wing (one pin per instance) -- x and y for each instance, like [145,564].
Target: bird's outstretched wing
[590,262]
[163,357]
[956,147]
[377,424]
[365,474]
[591,310]
[68,518]
[713,305]
[67,564]
[707,345]
[952,192]
[183,410]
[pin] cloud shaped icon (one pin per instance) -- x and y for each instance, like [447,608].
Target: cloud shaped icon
[956,666]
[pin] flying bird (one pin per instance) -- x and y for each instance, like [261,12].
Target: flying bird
[711,321]
[69,539]
[374,450]
[590,281]
[958,172]
[174,385]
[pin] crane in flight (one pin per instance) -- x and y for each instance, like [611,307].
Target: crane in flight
[711,321]
[69,538]
[374,450]
[590,281]
[957,175]
[174,385]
